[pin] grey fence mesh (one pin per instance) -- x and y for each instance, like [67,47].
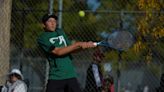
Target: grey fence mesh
[139,67]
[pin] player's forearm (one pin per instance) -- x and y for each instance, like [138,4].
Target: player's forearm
[66,50]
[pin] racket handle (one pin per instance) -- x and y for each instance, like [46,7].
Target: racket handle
[95,43]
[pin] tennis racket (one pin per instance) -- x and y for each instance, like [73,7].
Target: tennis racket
[119,40]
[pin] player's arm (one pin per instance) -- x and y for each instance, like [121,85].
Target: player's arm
[76,46]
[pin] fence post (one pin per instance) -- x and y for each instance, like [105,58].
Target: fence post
[50,9]
[5,18]
[60,13]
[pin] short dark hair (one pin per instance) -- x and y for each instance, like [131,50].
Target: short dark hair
[47,16]
[16,75]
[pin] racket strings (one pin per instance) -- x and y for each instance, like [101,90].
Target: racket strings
[120,40]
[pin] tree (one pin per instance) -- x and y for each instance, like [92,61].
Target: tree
[150,29]
[5,14]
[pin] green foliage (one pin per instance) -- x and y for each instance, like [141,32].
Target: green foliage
[150,27]
[122,4]
[154,68]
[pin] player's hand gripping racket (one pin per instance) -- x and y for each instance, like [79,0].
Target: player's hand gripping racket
[119,40]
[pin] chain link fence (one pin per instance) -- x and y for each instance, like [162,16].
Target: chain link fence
[138,68]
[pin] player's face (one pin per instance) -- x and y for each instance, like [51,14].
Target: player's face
[13,78]
[50,24]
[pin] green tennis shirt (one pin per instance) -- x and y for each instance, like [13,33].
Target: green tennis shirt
[61,67]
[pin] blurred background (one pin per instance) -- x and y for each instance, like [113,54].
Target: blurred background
[140,66]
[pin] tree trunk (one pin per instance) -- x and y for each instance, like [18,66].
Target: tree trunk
[5,20]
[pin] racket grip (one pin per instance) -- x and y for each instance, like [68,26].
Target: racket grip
[95,43]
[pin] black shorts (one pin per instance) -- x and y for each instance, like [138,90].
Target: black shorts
[66,85]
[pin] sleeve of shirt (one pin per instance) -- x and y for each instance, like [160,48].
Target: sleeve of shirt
[47,47]
[20,88]
[4,89]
